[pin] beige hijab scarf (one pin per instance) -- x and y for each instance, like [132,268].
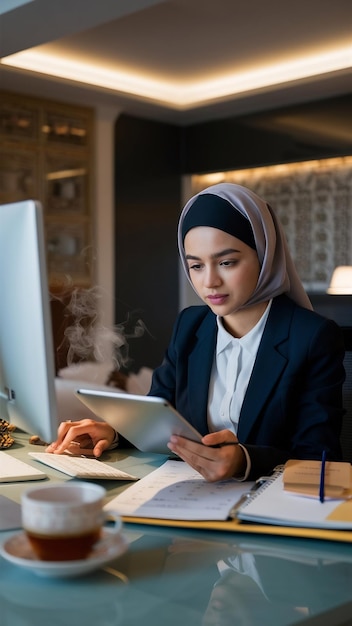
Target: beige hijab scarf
[278,273]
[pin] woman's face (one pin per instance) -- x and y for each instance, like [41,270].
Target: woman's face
[224,271]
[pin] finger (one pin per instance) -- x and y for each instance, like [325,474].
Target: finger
[69,433]
[78,451]
[212,463]
[61,435]
[83,441]
[182,446]
[220,438]
[99,447]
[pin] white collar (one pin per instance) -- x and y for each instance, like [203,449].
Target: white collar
[248,340]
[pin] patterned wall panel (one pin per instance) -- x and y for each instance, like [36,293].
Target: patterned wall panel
[314,203]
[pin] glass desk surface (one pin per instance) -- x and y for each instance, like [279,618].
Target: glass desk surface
[172,576]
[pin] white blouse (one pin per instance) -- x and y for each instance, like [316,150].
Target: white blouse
[233,363]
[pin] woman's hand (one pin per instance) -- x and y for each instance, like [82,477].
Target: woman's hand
[98,436]
[218,457]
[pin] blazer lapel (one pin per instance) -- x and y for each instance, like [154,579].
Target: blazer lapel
[201,361]
[270,361]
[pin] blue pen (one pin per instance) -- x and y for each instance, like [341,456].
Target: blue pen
[322,477]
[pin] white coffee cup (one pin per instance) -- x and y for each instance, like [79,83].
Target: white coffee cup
[63,521]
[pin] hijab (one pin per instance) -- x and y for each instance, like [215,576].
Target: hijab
[278,273]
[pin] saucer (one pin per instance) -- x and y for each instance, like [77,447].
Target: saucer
[18,551]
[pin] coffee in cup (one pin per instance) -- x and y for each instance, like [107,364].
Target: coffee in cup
[63,521]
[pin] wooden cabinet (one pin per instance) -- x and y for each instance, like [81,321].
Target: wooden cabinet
[46,152]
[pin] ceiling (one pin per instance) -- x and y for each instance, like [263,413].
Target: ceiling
[182,61]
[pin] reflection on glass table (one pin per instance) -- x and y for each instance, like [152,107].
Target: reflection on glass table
[174,576]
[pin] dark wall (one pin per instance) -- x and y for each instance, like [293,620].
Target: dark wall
[314,130]
[147,192]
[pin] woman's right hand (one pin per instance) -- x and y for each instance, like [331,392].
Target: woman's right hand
[87,433]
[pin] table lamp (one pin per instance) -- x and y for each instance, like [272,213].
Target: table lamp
[341,281]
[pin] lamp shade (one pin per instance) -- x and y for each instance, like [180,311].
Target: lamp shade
[341,281]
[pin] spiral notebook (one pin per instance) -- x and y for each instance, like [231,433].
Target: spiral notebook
[272,504]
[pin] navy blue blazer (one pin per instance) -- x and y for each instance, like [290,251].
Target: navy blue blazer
[293,404]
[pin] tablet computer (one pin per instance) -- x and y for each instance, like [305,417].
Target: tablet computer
[146,421]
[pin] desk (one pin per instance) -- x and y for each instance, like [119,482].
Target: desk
[173,577]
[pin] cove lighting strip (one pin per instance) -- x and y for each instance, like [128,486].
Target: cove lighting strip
[254,174]
[183,95]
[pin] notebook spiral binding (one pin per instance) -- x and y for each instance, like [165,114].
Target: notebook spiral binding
[259,486]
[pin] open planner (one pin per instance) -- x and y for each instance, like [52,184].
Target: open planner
[179,495]
[176,491]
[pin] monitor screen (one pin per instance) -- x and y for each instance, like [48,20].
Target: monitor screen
[27,371]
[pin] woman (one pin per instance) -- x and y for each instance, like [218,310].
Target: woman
[255,368]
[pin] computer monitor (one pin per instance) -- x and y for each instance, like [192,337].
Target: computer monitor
[27,370]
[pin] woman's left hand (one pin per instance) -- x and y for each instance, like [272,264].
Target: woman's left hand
[218,457]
